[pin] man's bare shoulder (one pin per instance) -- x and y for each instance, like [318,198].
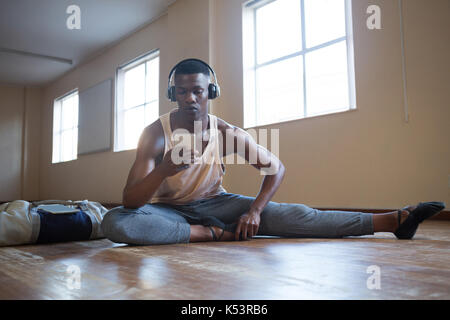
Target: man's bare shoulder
[152,139]
[227,128]
[223,126]
[155,128]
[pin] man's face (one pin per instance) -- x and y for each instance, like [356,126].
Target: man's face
[191,92]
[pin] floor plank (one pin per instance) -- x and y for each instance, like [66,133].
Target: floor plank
[272,268]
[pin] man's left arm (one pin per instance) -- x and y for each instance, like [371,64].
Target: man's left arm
[272,169]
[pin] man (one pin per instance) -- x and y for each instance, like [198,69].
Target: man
[187,200]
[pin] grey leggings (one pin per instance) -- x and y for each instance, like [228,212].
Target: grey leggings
[166,223]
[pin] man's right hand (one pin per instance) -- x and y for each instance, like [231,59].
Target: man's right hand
[168,168]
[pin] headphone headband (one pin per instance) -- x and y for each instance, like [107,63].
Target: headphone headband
[215,87]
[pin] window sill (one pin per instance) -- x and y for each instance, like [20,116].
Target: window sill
[299,119]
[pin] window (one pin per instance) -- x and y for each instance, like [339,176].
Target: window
[65,127]
[137,103]
[298,59]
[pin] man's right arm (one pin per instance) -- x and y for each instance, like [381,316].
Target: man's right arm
[144,177]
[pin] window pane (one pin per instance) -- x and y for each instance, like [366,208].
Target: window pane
[278,30]
[75,111]
[57,117]
[65,128]
[152,80]
[74,143]
[279,93]
[151,112]
[134,86]
[56,148]
[133,126]
[69,115]
[67,145]
[327,79]
[325,21]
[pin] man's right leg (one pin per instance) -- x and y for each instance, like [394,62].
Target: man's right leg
[149,224]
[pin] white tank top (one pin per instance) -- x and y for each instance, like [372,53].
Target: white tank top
[199,181]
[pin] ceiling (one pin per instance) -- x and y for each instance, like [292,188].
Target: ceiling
[36,46]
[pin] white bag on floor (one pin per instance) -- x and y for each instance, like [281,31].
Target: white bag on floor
[20,222]
[16,223]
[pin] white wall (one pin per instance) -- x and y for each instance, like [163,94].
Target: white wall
[11,142]
[19,142]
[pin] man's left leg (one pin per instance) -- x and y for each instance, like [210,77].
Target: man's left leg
[301,221]
[287,219]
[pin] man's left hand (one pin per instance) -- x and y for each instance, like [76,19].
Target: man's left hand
[247,225]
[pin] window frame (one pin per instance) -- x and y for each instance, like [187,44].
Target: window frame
[250,64]
[119,110]
[57,103]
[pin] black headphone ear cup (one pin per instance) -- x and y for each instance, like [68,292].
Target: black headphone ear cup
[171,94]
[212,91]
[217,90]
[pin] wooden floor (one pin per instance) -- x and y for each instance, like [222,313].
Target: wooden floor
[256,269]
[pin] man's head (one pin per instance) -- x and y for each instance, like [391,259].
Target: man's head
[191,88]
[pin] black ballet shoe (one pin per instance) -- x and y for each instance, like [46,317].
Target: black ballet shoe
[424,210]
[211,221]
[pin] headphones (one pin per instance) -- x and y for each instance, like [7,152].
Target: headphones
[213,88]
